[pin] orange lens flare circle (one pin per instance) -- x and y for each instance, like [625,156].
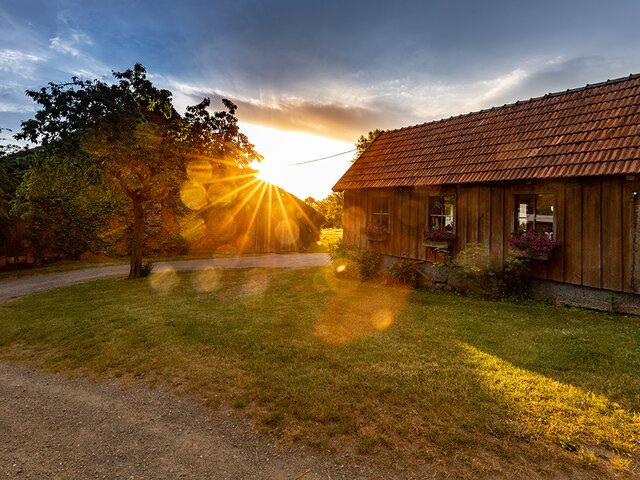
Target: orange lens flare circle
[163,280]
[199,171]
[193,195]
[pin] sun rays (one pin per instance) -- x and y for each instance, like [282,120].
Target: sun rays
[242,203]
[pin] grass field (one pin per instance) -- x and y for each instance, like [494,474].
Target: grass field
[328,236]
[433,382]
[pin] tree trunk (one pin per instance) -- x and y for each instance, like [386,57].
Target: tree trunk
[137,240]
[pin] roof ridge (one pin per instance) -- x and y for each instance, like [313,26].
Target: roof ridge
[588,86]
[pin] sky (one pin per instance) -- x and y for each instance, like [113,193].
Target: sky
[310,77]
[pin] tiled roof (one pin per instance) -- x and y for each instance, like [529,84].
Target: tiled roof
[594,130]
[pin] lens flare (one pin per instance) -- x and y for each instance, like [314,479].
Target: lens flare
[193,195]
[382,319]
[354,216]
[253,290]
[192,228]
[163,280]
[324,281]
[207,280]
[200,171]
[341,268]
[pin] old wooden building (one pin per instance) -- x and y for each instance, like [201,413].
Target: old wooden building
[567,164]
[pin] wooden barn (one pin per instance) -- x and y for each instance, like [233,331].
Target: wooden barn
[566,164]
[263,218]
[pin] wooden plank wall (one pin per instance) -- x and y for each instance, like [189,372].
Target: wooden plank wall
[597,225]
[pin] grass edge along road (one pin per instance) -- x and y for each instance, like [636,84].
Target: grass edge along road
[429,380]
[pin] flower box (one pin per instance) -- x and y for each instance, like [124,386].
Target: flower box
[438,238]
[436,244]
[377,232]
[533,256]
[377,236]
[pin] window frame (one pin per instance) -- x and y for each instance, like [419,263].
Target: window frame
[429,215]
[533,217]
[376,217]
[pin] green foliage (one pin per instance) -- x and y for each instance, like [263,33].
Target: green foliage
[363,142]
[368,262]
[482,275]
[406,272]
[514,278]
[217,136]
[356,262]
[64,204]
[330,207]
[173,244]
[12,169]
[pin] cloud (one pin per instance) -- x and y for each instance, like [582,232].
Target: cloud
[558,74]
[334,119]
[70,44]
[19,62]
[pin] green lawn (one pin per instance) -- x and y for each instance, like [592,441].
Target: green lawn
[328,236]
[434,382]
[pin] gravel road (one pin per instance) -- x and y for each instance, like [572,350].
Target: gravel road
[20,287]
[54,427]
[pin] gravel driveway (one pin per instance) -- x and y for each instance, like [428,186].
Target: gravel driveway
[55,427]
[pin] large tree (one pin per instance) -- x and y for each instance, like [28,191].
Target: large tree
[131,132]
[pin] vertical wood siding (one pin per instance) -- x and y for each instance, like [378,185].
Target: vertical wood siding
[596,223]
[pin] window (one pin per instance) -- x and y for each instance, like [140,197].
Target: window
[440,213]
[535,212]
[380,212]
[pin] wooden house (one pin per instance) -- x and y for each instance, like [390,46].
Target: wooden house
[567,164]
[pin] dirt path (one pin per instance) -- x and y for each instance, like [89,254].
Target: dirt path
[54,427]
[16,288]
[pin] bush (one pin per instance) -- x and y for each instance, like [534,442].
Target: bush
[353,261]
[484,276]
[406,272]
[368,262]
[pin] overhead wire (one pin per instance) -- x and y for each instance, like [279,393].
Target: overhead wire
[322,158]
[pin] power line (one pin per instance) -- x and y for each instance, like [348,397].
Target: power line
[323,158]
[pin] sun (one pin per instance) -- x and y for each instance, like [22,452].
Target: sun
[284,155]
[271,171]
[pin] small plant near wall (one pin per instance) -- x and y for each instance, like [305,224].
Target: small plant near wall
[406,272]
[355,262]
[533,244]
[484,276]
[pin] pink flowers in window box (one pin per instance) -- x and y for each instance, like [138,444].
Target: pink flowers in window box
[534,244]
[439,235]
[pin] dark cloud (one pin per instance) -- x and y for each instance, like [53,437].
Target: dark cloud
[339,121]
[333,67]
[561,75]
